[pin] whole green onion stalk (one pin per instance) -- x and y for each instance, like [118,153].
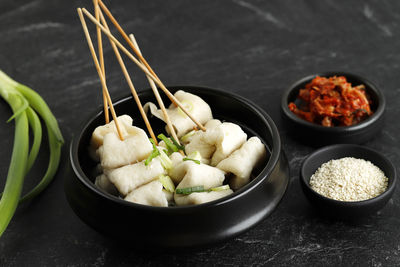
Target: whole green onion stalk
[26,104]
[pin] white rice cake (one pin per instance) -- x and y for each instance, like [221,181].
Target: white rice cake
[241,162]
[151,194]
[189,174]
[104,184]
[115,153]
[196,106]
[227,137]
[130,177]
[199,142]
[125,122]
[200,197]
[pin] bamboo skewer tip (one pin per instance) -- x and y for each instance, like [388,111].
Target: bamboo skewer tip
[143,65]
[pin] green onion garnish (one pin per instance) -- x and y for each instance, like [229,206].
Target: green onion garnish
[172,146]
[220,188]
[194,160]
[180,147]
[167,183]
[155,153]
[188,135]
[166,162]
[189,190]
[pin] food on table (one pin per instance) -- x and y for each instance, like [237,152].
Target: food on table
[332,102]
[26,105]
[349,179]
[169,173]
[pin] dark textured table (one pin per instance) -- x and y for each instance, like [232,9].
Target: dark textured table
[253,48]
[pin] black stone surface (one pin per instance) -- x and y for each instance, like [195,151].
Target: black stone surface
[253,48]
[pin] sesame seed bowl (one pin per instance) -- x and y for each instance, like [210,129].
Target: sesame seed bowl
[317,135]
[346,209]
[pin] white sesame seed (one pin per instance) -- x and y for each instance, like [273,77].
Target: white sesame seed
[349,179]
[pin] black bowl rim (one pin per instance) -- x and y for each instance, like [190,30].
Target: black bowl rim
[252,185]
[337,129]
[389,191]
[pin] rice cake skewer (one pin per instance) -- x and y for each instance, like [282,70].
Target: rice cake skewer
[129,81]
[175,101]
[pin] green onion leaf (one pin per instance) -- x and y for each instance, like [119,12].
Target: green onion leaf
[36,102]
[189,190]
[170,146]
[24,102]
[167,183]
[180,147]
[194,160]
[186,137]
[36,126]
[155,153]
[220,188]
[54,161]
[19,159]
[166,162]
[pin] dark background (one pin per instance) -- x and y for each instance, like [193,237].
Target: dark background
[253,48]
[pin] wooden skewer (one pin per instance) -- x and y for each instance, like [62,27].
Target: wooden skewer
[101,57]
[98,68]
[125,36]
[144,69]
[130,43]
[129,81]
[157,95]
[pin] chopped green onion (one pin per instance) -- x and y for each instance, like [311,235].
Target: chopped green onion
[167,183]
[195,155]
[155,153]
[153,143]
[180,147]
[189,190]
[166,162]
[186,137]
[220,188]
[170,146]
[194,160]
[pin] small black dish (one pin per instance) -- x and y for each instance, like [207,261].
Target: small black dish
[182,227]
[317,135]
[346,209]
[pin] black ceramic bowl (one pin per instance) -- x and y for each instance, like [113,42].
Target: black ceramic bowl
[318,135]
[180,227]
[346,209]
